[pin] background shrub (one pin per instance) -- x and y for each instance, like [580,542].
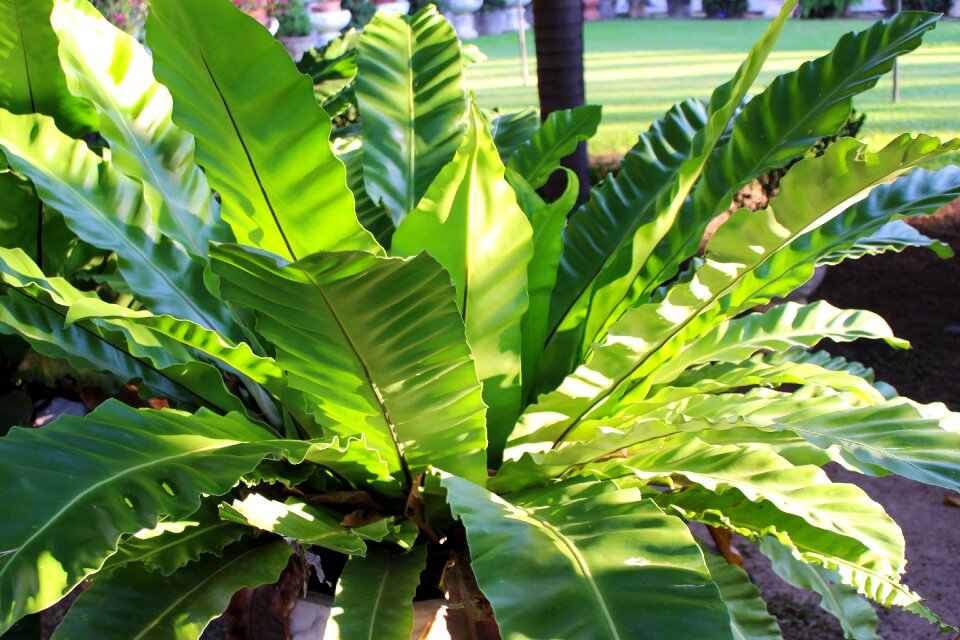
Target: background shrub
[724,8]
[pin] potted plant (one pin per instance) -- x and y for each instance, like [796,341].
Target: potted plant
[401,7]
[359,366]
[328,18]
[591,10]
[296,29]
[515,17]
[463,17]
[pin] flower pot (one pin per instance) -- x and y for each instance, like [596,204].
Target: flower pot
[591,10]
[492,23]
[296,46]
[772,8]
[678,8]
[401,8]
[463,18]
[329,23]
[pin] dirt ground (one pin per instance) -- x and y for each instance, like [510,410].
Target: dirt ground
[919,296]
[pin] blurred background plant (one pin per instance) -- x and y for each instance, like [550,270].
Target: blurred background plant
[272,8]
[294,20]
[129,15]
[937,6]
[724,8]
[824,8]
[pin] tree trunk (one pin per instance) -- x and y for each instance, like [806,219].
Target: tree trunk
[558,32]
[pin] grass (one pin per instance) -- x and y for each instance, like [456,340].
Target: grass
[637,69]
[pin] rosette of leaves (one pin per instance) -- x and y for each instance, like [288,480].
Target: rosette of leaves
[407,329]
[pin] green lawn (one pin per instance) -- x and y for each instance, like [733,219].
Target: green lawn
[637,69]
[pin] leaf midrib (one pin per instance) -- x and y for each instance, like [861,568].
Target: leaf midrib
[677,328]
[368,374]
[378,600]
[146,163]
[581,564]
[827,100]
[97,485]
[249,157]
[26,62]
[111,223]
[149,627]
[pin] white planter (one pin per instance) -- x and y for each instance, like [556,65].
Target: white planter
[329,24]
[656,7]
[298,45]
[514,20]
[696,7]
[772,9]
[463,19]
[955,9]
[401,8]
[756,6]
[868,6]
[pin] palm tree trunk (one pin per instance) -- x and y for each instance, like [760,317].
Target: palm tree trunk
[558,32]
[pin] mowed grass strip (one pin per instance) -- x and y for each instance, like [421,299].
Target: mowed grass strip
[637,69]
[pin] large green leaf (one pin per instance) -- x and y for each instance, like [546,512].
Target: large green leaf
[896,436]
[333,69]
[294,519]
[470,222]
[801,107]
[777,329]
[375,596]
[631,570]
[537,158]
[774,128]
[112,70]
[37,309]
[41,232]
[172,334]
[838,230]
[108,210]
[398,372]
[921,192]
[132,603]
[21,215]
[760,371]
[372,215]
[610,239]
[762,476]
[856,616]
[261,137]
[747,254]
[94,479]
[410,93]
[510,130]
[749,618]
[172,545]
[595,230]
[547,220]
[897,236]
[31,80]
